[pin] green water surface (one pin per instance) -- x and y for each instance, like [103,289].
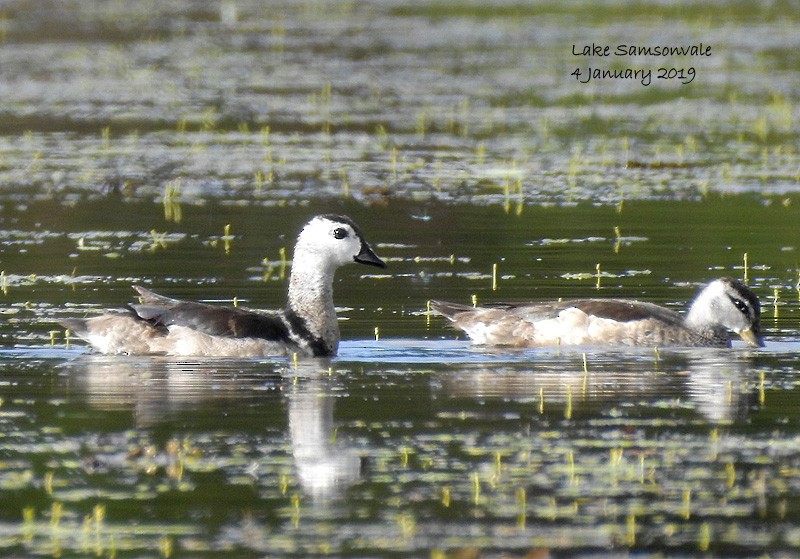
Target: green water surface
[181,146]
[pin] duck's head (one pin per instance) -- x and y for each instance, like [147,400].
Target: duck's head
[333,241]
[728,303]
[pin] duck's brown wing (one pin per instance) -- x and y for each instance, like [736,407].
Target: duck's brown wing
[623,310]
[214,320]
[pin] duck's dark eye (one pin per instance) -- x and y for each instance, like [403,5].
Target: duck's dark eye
[340,233]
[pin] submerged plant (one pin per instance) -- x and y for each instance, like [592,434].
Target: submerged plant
[227,238]
[171,201]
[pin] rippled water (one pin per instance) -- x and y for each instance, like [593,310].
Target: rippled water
[181,145]
[400,447]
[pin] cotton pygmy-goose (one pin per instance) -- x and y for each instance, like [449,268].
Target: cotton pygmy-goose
[723,306]
[307,326]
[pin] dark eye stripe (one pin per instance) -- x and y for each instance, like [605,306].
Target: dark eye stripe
[741,305]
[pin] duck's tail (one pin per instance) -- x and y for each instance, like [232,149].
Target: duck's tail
[449,310]
[119,333]
[128,330]
[77,326]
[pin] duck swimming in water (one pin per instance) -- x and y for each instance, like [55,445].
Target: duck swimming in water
[307,325]
[725,305]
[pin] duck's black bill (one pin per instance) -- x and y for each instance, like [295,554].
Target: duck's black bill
[368,256]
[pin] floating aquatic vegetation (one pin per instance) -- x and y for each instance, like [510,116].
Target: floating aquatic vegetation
[22,239]
[11,281]
[116,243]
[600,273]
[468,153]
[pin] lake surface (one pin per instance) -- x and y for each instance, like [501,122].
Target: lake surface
[181,146]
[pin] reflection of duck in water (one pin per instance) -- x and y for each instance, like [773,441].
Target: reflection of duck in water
[721,389]
[722,306]
[716,385]
[156,390]
[323,467]
[307,325]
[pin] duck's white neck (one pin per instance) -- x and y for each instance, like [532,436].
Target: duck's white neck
[698,318]
[311,299]
[701,316]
